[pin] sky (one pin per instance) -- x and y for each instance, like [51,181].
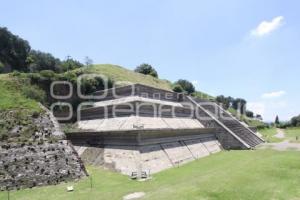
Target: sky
[248,49]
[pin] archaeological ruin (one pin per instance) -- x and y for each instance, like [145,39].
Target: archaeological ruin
[138,130]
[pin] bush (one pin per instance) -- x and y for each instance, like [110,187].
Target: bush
[177,88]
[147,70]
[187,86]
[70,64]
[91,85]
[47,74]
[249,114]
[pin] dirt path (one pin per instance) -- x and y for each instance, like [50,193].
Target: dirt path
[281,146]
[280,133]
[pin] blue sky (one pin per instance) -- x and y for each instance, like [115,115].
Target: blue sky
[248,48]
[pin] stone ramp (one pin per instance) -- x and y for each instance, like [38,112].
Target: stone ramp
[177,153]
[124,159]
[197,148]
[92,155]
[154,159]
[213,146]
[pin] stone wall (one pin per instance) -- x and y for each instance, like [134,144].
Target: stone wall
[139,90]
[149,158]
[138,109]
[34,152]
[23,166]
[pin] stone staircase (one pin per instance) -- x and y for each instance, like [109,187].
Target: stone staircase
[239,129]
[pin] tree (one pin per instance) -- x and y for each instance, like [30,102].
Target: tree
[240,105]
[13,50]
[258,116]
[225,101]
[39,61]
[146,69]
[277,120]
[187,86]
[1,67]
[88,61]
[177,88]
[249,114]
[70,64]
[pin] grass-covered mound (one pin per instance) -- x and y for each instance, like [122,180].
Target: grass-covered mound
[19,106]
[117,73]
[261,174]
[15,94]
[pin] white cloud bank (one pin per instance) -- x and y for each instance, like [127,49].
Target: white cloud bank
[266,27]
[273,94]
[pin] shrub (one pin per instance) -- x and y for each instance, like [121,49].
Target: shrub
[187,86]
[146,69]
[177,88]
[90,85]
[49,74]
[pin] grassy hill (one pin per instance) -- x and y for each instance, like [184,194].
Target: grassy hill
[118,73]
[13,94]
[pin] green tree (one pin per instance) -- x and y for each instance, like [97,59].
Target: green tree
[186,85]
[258,116]
[225,101]
[277,120]
[39,61]
[177,88]
[146,69]
[13,50]
[240,105]
[70,64]
[88,61]
[1,67]
[249,114]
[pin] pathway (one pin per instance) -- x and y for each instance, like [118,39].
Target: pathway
[280,146]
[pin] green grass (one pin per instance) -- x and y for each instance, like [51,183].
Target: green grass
[11,96]
[118,73]
[293,134]
[259,174]
[123,75]
[269,135]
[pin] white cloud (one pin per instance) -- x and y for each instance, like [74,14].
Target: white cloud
[266,27]
[273,94]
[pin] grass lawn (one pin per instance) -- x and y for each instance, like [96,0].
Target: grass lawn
[268,135]
[259,174]
[293,134]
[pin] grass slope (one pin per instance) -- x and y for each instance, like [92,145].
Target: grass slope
[260,174]
[11,96]
[118,73]
[269,134]
[123,75]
